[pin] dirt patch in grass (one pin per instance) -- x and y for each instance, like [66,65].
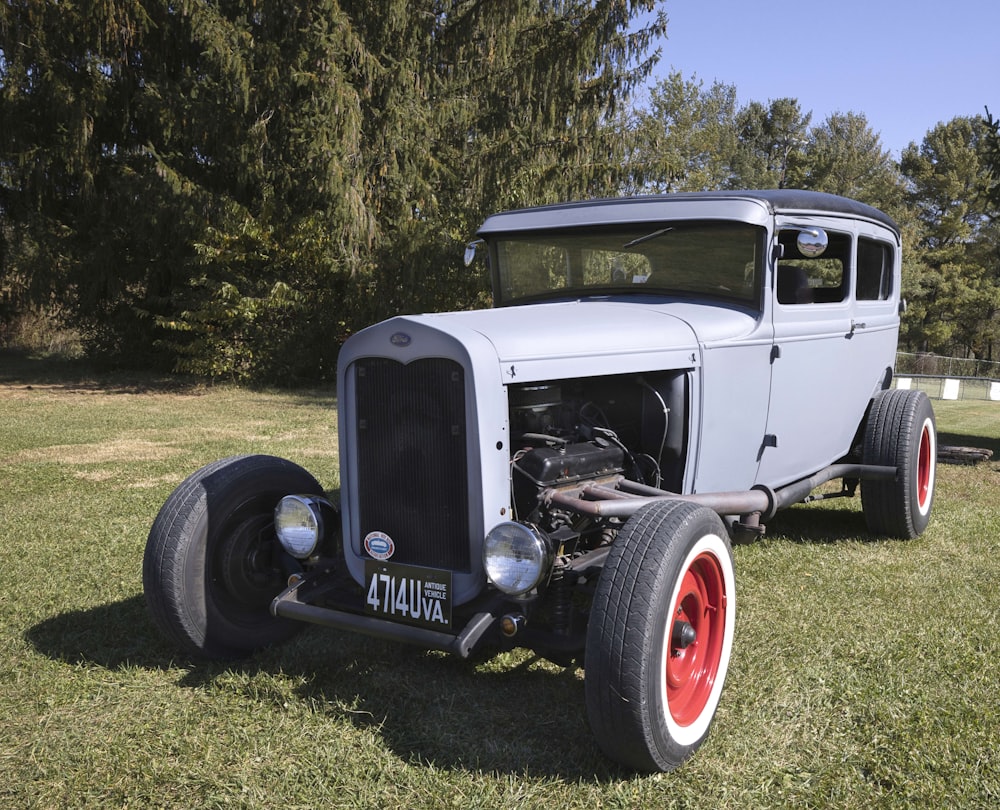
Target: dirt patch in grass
[114,451]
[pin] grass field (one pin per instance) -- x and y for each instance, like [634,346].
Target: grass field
[865,673]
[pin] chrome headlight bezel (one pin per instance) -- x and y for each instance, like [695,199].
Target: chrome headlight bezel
[300,524]
[517,557]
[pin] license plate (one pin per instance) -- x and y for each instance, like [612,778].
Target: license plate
[408,594]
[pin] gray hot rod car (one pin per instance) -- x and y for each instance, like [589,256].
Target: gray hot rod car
[566,471]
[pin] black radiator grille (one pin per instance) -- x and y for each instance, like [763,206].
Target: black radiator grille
[412,470]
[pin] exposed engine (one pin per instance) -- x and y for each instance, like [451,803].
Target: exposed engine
[567,431]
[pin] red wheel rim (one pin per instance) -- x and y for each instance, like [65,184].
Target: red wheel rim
[925,467]
[692,669]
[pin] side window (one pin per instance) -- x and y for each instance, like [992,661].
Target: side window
[805,280]
[874,270]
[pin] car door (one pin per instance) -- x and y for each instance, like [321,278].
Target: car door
[835,330]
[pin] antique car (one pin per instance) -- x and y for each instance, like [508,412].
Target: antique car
[566,471]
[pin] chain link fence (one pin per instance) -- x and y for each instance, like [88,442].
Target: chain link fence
[948,377]
[934,365]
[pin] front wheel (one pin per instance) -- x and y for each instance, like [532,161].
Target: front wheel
[900,432]
[660,636]
[211,566]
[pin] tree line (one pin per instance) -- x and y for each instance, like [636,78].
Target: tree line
[943,191]
[231,188]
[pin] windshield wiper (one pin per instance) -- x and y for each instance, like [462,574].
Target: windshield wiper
[646,238]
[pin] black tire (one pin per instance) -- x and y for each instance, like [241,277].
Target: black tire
[210,568]
[652,694]
[900,432]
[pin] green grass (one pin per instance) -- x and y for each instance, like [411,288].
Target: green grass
[864,673]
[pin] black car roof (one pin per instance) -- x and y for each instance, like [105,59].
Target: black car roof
[789,201]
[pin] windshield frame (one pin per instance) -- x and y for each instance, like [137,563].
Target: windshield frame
[652,241]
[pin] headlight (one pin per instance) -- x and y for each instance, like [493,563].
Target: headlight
[298,522]
[517,557]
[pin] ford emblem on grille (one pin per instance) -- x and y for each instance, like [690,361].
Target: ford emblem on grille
[400,339]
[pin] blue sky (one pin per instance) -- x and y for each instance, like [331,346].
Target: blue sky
[905,65]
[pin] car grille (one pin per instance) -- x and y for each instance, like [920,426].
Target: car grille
[412,470]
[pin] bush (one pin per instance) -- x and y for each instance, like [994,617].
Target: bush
[42,333]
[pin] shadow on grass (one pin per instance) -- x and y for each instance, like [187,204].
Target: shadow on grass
[511,714]
[114,636]
[818,524]
[19,368]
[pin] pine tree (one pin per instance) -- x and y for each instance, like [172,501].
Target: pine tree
[479,107]
[772,142]
[844,156]
[955,295]
[233,186]
[685,138]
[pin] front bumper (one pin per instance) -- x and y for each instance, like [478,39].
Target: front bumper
[476,628]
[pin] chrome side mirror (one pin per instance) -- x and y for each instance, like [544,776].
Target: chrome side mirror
[470,251]
[812,242]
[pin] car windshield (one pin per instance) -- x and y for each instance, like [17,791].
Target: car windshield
[700,259]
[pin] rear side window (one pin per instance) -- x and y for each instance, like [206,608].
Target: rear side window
[874,270]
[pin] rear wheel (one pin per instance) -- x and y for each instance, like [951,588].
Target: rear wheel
[211,566]
[900,432]
[660,636]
